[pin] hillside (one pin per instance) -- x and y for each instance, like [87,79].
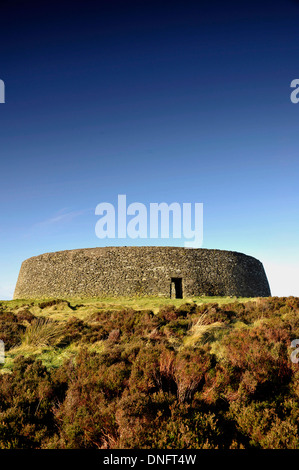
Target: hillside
[212,373]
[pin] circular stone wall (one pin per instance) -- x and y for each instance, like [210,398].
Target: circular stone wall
[129,271]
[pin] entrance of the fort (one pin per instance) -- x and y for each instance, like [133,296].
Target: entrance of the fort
[176,288]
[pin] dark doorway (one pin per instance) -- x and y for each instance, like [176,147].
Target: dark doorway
[176,288]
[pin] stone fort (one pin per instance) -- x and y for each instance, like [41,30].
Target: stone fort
[172,272]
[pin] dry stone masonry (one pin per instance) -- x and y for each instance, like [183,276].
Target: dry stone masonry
[129,271]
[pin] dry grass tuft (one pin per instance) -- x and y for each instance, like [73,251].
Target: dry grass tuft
[202,331]
[43,332]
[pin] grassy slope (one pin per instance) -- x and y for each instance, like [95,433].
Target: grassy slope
[84,309]
[149,372]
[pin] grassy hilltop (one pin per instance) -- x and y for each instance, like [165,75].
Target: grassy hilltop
[149,373]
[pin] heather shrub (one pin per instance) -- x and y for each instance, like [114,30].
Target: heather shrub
[259,358]
[186,309]
[145,372]
[25,316]
[176,329]
[52,302]
[135,415]
[204,376]
[167,313]
[190,368]
[213,313]
[11,329]
[26,400]
[79,331]
[86,416]
[180,431]
[267,425]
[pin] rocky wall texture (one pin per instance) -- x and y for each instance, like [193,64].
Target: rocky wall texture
[128,271]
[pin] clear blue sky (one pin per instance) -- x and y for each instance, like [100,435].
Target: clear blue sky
[185,101]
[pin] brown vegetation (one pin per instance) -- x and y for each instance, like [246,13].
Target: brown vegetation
[195,376]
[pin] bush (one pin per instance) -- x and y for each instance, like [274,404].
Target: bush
[197,376]
[26,400]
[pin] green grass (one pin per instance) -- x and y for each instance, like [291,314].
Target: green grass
[42,336]
[50,357]
[137,302]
